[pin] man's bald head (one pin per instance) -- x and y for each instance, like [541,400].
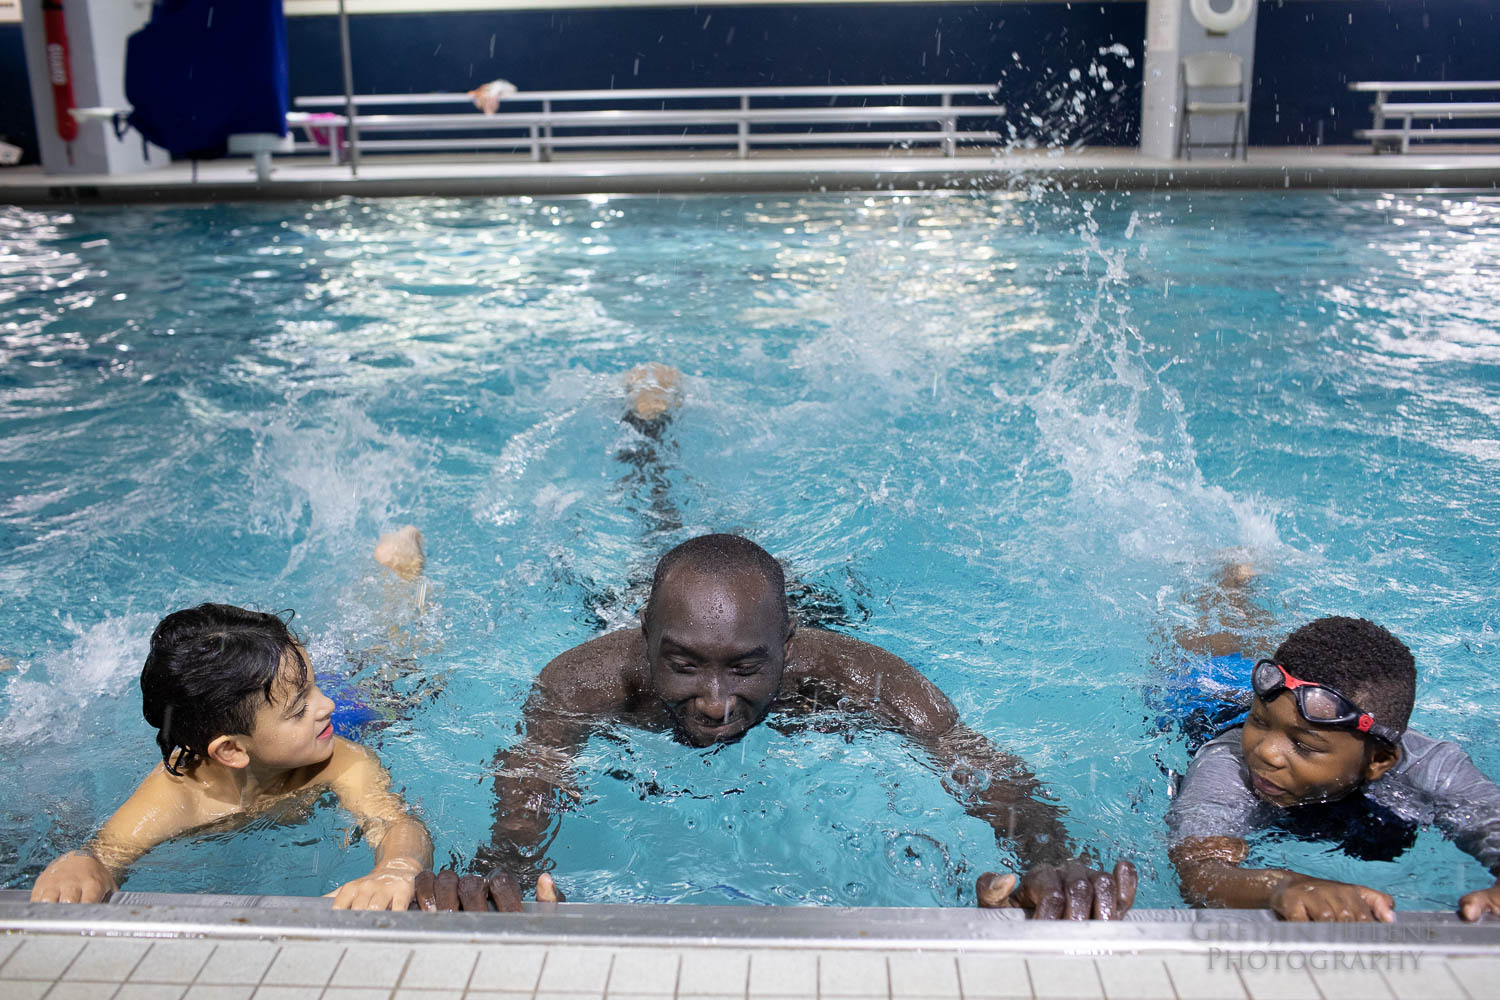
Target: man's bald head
[721,555]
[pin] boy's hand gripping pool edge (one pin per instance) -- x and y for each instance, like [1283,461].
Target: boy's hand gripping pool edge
[76,877]
[1302,898]
[1072,891]
[388,887]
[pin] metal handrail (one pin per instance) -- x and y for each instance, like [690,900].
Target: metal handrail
[1384,109]
[664,93]
[540,126]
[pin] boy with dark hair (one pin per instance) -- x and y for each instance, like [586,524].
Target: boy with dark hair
[241,726]
[1325,754]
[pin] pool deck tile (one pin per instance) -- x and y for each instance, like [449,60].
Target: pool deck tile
[173,962]
[1273,983]
[26,989]
[1480,976]
[357,993]
[288,993]
[371,965]
[994,977]
[507,968]
[107,960]
[1352,984]
[916,974]
[1134,977]
[82,991]
[430,995]
[44,956]
[1426,977]
[445,967]
[8,945]
[148,991]
[205,991]
[1198,978]
[304,964]
[644,970]
[721,972]
[238,963]
[783,974]
[576,970]
[853,974]
[1064,977]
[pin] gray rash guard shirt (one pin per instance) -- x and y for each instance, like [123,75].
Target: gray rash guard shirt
[1434,783]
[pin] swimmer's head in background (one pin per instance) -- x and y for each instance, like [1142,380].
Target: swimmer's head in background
[209,670]
[652,392]
[1359,659]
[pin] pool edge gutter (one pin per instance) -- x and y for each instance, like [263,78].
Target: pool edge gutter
[684,925]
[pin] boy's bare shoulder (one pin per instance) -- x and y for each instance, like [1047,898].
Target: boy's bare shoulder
[349,762]
[162,806]
[601,675]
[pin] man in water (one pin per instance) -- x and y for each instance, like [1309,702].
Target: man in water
[717,653]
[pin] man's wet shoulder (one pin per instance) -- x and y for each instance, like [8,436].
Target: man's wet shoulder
[600,673]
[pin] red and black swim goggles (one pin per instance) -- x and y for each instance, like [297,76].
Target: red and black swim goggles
[1317,703]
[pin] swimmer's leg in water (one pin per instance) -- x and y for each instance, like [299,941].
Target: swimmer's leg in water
[375,689]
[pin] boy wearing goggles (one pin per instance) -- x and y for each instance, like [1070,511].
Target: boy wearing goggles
[1325,737]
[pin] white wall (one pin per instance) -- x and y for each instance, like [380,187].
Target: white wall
[97,30]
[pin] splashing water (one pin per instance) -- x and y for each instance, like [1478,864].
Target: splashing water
[1002,435]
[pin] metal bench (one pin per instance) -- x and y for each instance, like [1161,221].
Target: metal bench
[738,118]
[1384,136]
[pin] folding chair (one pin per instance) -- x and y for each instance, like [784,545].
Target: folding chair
[1213,71]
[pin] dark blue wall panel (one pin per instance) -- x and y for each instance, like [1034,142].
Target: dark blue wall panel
[16,123]
[1308,51]
[1029,48]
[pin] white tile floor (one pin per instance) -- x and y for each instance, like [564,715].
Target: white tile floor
[64,967]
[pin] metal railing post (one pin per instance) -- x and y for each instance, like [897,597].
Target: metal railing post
[744,127]
[950,125]
[351,130]
[547,131]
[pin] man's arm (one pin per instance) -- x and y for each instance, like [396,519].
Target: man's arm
[533,784]
[400,841]
[534,778]
[159,809]
[990,784]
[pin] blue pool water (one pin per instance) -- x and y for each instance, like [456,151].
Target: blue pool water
[1006,434]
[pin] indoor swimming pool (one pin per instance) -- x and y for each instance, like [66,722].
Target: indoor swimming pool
[1005,435]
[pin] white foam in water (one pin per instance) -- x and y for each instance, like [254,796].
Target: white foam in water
[50,698]
[334,471]
[1120,434]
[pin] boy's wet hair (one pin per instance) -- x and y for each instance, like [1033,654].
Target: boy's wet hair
[1360,660]
[721,554]
[209,670]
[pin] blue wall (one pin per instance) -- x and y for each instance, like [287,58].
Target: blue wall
[728,46]
[16,122]
[1307,51]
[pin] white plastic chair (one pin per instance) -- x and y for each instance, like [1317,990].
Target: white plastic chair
[1213,71]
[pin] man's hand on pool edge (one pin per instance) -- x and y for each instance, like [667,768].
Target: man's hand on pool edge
[1072,891]
[447,891]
